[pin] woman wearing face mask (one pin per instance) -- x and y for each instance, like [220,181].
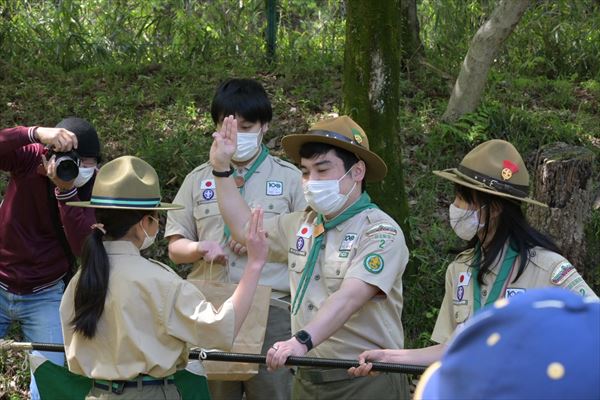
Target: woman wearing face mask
[128,321]
[504,256]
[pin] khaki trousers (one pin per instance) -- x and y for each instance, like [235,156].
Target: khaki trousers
[336,386]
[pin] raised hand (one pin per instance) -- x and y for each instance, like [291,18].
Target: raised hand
[58,138]
[224,144]
[256,240]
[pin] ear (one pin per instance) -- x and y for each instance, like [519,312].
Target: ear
[265,128]
[358,171]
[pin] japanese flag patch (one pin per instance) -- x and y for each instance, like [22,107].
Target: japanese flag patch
[207,184]
[305,231]
[463,279]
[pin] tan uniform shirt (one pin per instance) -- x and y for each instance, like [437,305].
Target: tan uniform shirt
[369,246]
[545,268]
[150,314]
[276,186]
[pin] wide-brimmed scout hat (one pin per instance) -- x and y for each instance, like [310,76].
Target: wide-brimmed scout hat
[127,183]
[340,132]
[516,349]
[494,167]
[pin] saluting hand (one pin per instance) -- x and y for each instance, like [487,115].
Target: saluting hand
[224,144]
[58,138]
[256,240]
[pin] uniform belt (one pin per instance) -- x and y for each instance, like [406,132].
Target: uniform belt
[117,387]
[322,375]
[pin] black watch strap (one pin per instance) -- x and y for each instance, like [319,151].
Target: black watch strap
[223,174]
[304,337]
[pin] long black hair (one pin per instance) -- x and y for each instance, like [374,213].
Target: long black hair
[510,225]
[90,293]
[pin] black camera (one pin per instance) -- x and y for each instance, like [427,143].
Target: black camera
[67,164]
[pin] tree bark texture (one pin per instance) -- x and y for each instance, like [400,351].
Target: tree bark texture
[371,90]
[563,181]
[486,43]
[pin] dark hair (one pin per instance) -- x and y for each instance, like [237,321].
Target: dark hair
[244,97]
[90,293]
[510,225]
[314,149]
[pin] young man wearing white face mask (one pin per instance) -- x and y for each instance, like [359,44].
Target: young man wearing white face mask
[39,233]
[504,256]
[198,234]
[345,258]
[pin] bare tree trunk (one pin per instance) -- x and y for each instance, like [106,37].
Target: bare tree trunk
[371,92]
[470,83]
[563,180]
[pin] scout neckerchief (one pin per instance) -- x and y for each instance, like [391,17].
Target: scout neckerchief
[503,275]
[241,181]
[322,226]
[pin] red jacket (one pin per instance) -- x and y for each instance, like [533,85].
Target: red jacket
[31,255]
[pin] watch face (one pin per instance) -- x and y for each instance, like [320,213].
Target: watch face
[302,336]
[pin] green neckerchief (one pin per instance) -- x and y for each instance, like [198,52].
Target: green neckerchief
[503,275]
[261,157]
[321,228]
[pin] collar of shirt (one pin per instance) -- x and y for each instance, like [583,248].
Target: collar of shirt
[124,247]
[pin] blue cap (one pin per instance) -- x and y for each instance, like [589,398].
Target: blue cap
[543,344]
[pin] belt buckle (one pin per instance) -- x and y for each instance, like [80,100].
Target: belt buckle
[117,387]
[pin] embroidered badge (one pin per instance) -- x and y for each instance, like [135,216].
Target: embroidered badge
[561,273]
[510,292]
[357,136]
[207,184]
[344,254]
[305,231]
[460,293]
[463,279]
[373,263]
[208,194]
[509,169]
[297,252]
[382,229]
[274,188]
[348,241]
[299,243]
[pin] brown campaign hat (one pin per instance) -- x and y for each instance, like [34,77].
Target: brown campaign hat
[494,167]
[127,183]
[340,132]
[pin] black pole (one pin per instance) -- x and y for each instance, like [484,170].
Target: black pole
[252,358]
[271,29]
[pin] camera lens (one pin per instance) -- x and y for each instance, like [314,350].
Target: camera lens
[67,167]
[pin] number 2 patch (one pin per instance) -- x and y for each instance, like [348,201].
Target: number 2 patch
[373,263]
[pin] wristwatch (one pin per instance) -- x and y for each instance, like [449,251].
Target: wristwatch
[304,337]
[223,174]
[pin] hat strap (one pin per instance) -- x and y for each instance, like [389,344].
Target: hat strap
[335,135]
[500,186]
[124,202]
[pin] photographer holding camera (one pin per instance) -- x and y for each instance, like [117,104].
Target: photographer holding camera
[39,234]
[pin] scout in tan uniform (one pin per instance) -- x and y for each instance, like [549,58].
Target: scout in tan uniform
[506,255]
[128,321]
[345,257]
[198,234]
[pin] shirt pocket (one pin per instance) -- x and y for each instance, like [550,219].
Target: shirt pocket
[335,272]
[206,215]
[461,313]
[273,205]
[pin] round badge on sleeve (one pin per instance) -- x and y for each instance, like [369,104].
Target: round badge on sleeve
[373,263]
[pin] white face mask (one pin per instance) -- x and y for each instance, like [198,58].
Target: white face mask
[247,145]
[85,174]
[148,240]
[324,196]
[465,223]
